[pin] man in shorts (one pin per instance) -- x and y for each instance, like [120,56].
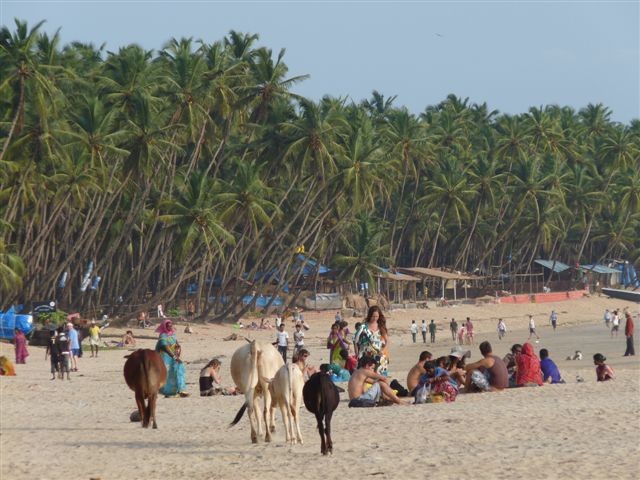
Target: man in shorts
[379,388]
[488,374]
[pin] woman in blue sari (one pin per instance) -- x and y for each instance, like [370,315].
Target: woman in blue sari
[169,350]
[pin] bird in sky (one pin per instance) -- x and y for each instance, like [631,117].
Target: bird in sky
[439,35]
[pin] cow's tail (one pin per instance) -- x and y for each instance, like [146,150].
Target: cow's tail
[239,414]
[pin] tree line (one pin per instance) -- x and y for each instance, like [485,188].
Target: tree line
[198,165]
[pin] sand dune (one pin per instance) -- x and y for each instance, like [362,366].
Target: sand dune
[80,429]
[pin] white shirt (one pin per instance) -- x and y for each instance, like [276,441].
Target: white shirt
[298,337]
[502,326]
[283,339]
[424,326]
[616,320]
[532,324]
[414,328]
[607,316]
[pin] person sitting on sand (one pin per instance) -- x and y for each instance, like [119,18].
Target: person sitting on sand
[439,381]
[488,374]
[550,371]
[457,364]
[210,381]
[510,361]
[413,377]
[379,385]
[188,329]
[603,371]
[528,373]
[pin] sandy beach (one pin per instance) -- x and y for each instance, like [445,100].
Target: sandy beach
[588,430]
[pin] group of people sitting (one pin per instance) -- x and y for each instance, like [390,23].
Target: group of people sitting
[442,379]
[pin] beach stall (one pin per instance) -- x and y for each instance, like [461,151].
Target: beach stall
[397,286]
[438,280]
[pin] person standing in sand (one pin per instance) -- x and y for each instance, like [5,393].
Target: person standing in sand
[94,338]
[453,326]
[502,329]
[532,327]
[282,341]
[432,330]
[553,318]
[470,337]
[607,317]
[379,388]
[628,332]
[369,337]
[414,330]
[20,344]
[170,350]
[424,331]
[615,322]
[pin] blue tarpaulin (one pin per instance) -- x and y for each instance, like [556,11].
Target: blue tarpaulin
[598,269]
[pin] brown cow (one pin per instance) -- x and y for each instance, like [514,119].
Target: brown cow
[145,374]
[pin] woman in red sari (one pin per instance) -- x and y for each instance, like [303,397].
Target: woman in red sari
[528,373]
[20,342]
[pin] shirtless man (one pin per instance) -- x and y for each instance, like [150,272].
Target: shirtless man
[413,377]
[492,367]
[379,384]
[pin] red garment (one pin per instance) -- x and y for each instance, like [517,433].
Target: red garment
[528,366]
[629,326]
[20,342]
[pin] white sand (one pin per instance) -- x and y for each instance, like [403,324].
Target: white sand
[80,429]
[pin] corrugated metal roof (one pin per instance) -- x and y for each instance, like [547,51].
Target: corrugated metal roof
[599,269]
[554,265]
[401,277]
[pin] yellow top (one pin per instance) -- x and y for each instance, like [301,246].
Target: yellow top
[94,331]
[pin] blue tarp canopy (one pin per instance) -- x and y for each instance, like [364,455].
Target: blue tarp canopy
[598,269]
[554,265]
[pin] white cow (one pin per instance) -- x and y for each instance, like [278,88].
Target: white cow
[252,366]
[286,390]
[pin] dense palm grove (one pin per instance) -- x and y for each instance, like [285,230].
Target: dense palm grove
[198,164]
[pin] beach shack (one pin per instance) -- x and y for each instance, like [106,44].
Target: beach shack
[440,283]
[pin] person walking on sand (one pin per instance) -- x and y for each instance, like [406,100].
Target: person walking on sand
[453,326]
[432,330]
[52,352]
[414,330]
[615,322]
[607,317]
[20,344]
[553,318]
[502,329]
[424,331]
[170,350]
[628,332]
[532,327]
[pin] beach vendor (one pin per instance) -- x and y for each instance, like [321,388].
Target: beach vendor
[20,343]
[338,348]
[369,338]
[169,350]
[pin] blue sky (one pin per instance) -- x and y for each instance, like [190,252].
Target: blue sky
[512,55]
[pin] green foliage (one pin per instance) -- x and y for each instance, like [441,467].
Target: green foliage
[201,163]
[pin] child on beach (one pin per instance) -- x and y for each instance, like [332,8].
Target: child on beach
[603,371]
[502,329]
[298,338]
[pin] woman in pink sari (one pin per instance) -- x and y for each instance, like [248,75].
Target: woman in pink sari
[20,342]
